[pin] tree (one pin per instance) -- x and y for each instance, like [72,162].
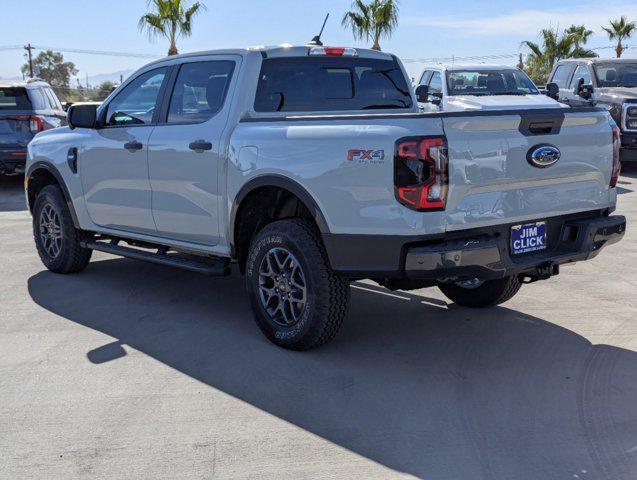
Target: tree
[620,30]
[555,46]
[580,36]
[102,91]
[372,21]
[170,19]
[52,68]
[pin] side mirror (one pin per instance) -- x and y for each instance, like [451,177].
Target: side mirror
[66,106]
[422,93]
[552,90]
[583,90]
[436,98]
[81,116]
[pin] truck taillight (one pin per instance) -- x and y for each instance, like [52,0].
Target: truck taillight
[616,162]
[421,173]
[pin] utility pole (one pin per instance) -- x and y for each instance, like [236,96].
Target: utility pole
[521,63]
[29,49]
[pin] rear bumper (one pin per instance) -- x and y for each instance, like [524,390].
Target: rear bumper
[482,253]
[12,160]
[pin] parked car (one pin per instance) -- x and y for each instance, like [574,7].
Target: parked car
[478,87]
[26,108]
[310,167]
[609,83]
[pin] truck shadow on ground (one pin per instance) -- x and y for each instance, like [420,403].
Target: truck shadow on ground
[413,383]
[12,193]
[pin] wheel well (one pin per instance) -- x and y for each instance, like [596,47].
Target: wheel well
[39,179]
[262,206]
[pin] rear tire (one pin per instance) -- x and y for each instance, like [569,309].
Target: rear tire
[298,301]
[488,294]
[57,240]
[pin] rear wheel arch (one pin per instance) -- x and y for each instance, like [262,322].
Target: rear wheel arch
[264,200]
[40,175]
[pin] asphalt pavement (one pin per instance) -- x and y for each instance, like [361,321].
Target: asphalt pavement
[131,370]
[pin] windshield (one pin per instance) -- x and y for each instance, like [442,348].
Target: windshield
[490,82]
[616,74]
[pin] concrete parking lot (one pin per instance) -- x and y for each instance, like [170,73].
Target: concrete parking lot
[130,370]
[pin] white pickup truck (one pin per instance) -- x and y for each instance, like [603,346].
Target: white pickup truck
[453,88]
[309,167]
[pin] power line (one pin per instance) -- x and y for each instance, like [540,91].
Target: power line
[84,51]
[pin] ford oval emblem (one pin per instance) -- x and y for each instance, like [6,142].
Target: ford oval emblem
[542,156]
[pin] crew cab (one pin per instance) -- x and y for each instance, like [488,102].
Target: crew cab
[309,167]
[26,108]
[607,83]
[454,88]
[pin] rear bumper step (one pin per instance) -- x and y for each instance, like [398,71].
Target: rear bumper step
[216,268]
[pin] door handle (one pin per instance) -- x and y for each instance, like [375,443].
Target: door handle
[200,145]
[133,146]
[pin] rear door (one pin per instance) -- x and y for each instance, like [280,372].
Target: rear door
[113,161]
[492,180]
[185,150]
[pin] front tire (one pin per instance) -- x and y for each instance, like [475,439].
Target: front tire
[57,240]
[298,301]
[485,294]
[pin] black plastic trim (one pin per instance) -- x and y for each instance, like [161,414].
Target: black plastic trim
[281,182]
[56,173]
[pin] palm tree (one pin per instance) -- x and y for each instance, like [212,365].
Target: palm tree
[580,36]
[620,30]
[554,47]
[170,19]
[372,21]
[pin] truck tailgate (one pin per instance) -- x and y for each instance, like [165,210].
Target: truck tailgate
[491,181]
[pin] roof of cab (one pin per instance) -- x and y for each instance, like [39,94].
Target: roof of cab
[598,60]
[32,83]
[275,51]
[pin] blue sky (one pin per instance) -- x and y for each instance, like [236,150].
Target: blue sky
[427,29]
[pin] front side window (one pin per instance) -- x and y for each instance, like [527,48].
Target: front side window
[490,82]
[581,72]
[616,74]
[200,90]
[435,84]
[136,103]
[309,84]
[560,77]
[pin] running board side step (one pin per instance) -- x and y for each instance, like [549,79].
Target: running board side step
[216,268]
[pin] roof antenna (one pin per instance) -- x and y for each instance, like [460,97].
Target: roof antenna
[316,41]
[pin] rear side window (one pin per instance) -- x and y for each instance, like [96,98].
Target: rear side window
[199,91]
[435,84]
[581,72]
[14,98]
[561,75]
[315,84]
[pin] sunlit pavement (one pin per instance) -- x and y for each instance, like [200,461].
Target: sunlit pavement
[130,370]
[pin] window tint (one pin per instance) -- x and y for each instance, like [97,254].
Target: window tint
[55,103]
[135,104]
[199,91]
[581,72]
[14,98]
[561,75]
[330,84]
[424,78]
[435,84]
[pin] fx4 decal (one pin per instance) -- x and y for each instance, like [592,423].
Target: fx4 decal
[364,156]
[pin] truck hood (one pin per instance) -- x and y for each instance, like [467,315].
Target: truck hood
[499,102]
[616,94]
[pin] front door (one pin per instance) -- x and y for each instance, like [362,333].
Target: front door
[569,94]
[113,160]
[185,151]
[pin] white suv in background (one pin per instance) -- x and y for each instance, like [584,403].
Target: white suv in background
[478,87]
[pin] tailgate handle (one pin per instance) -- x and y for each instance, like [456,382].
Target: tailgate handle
[541,128]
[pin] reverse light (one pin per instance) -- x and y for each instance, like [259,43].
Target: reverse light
[616,161]
[333,52]
[421,177]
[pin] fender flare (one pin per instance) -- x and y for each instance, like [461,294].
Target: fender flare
[280,181]
[52,169]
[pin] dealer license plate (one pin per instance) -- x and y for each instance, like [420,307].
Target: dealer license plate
[529,237]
